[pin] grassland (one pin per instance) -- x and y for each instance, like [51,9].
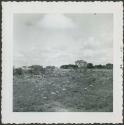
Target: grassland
[64,90]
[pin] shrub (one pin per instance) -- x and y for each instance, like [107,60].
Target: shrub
[90,65]
[36,69]
[49,69]
[109,66]
[100,66]
[70,66]
[17,71]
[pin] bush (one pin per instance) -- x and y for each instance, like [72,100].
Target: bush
[70,66]
[90,65]
[49,69]
[18,71]
[109,66]
[36,69]
[100,66]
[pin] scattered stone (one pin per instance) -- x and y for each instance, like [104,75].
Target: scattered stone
[63,89]
[91,85]
[45,97]
[53,93]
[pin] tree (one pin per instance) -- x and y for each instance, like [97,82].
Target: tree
[109,66]
[81,63]
[90,65]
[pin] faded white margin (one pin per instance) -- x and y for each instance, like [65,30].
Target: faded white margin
[8,9]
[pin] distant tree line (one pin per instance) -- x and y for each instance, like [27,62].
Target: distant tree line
[37,69]
[89,66]
[107,66]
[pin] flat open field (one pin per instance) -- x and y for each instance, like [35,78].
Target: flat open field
[64,90]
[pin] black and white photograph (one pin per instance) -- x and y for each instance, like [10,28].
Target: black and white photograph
[62,62]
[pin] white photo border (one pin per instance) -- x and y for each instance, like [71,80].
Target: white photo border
[8,10]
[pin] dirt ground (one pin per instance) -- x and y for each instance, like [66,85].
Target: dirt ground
[64,90]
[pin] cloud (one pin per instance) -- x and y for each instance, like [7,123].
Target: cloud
[56,21]
[57,39]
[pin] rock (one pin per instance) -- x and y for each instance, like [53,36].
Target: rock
[45,97]
[91,85]
[53,93]
[63,89]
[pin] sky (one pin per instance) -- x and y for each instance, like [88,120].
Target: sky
[58,39]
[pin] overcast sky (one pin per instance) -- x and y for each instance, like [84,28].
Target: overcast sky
[57,39]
